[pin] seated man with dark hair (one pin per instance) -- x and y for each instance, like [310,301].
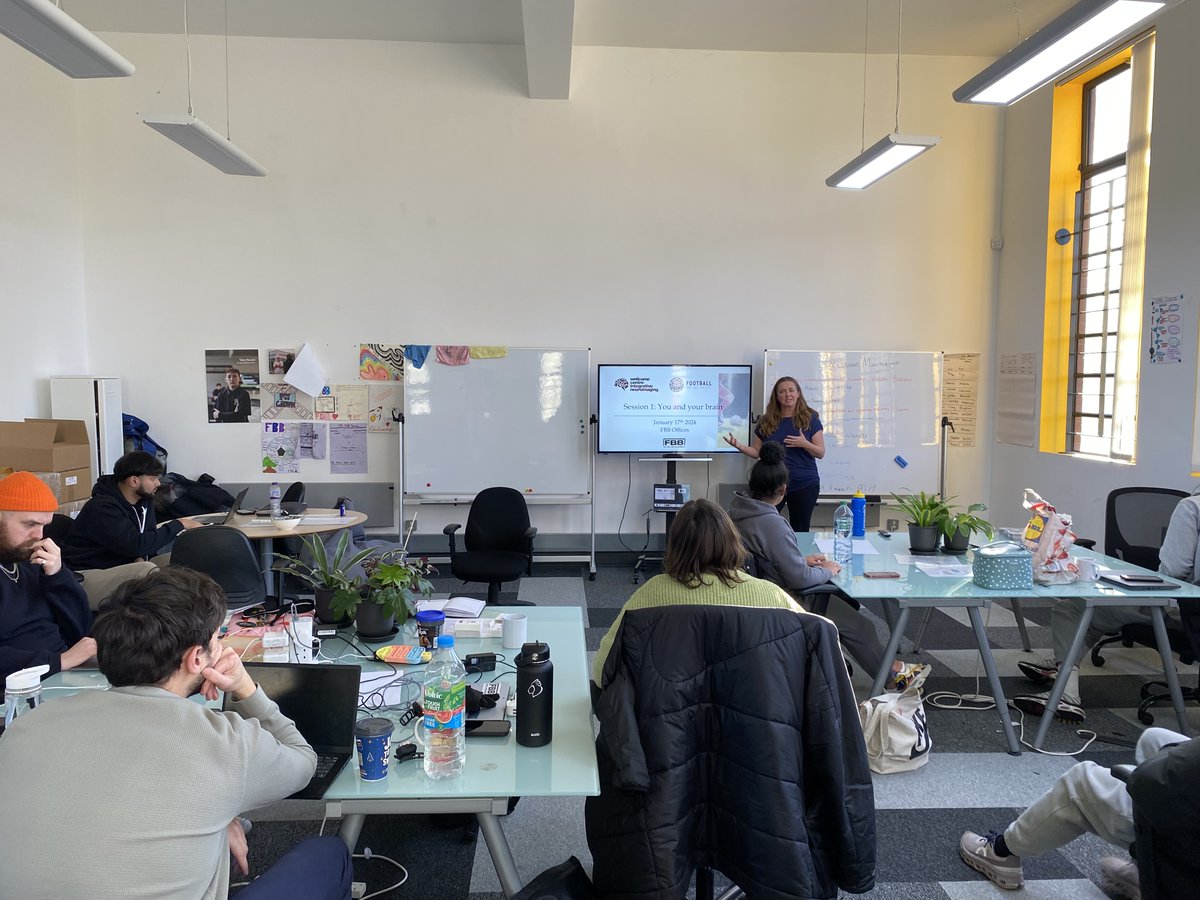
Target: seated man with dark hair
[44,615]
[162,818]
[116,536]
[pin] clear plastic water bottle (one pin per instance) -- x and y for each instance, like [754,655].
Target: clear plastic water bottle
[22,692]
[843,543]
[276,495]
[445,703]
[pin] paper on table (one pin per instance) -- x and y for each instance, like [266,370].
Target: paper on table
[861,546]
[323,520]
[954,570]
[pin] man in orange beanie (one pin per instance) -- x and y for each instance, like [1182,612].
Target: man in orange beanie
[44,615]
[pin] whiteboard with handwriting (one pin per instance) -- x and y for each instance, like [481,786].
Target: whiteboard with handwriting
[878,408]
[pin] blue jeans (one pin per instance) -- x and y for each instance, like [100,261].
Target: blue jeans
[316,869]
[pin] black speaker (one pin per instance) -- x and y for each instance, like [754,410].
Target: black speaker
[535,695]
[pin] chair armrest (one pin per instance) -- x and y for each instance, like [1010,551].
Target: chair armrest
[531,532]
[822,592]
[1085,543]
[1122,772]
[450,529]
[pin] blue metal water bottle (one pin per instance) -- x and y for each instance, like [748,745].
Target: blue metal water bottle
[858,508]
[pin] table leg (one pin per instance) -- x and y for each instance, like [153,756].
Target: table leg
[890,653]
[921,631]
[502,859]
[1172,677]
[1017,614]
[1064,672]
[351,828]
[989,666]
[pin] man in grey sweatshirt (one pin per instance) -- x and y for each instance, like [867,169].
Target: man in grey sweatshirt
[134,791]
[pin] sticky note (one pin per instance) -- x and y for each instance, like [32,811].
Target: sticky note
[901,462]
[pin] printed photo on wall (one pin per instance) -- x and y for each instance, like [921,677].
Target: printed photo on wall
[233,380]
[280,361]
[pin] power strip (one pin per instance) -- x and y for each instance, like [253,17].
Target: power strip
[358,889]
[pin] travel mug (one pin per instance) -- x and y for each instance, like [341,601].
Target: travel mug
[535,695]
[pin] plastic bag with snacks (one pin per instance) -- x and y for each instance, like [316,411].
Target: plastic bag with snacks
[1048,535]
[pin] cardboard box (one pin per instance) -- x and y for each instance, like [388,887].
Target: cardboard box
[72,509]
[75,484]
[45,445]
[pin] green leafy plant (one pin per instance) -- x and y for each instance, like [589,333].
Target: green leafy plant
[393,581]
[325,572]
[921,509]
[965,520]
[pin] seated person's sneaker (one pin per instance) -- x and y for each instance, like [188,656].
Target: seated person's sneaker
[1041,671]
[979,852]
[909,675]
[1068,710]
[1119,878]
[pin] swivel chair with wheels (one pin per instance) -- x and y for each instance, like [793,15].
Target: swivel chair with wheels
[498,541]
[226,555]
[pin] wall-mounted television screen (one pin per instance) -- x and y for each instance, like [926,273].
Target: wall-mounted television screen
[672,409]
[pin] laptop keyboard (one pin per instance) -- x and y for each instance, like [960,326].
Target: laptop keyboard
[325,762]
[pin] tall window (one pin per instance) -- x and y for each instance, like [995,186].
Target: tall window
[1096,272]
[1095,260]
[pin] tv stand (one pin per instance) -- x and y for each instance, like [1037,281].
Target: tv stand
[670,459]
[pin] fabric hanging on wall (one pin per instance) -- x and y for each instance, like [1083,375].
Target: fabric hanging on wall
[478,352]
[453,354]
[416,354]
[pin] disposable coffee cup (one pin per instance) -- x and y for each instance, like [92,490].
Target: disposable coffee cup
[373,740]
[1088,570]
[515,629]
[429,625]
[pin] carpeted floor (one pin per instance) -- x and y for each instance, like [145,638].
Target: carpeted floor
[969,783]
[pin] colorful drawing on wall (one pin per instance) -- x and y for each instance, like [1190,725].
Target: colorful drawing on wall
[385,402]
[232,379]
[381,362]
[314,439]
[1166,328]
[342,403]
[280,443]
[284,402]
[280,361]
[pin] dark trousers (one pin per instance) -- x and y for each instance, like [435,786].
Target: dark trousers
[800,503]
[316,869]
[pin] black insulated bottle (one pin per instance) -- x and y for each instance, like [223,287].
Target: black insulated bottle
[535,695]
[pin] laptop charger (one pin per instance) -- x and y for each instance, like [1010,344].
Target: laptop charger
[483,662]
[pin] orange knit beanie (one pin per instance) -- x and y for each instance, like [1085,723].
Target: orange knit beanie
[25,492]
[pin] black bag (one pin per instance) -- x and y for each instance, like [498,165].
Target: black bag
[180,496]
[566,881]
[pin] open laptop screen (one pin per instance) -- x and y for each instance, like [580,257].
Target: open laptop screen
[321,700]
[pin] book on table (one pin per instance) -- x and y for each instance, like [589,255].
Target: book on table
[454,607]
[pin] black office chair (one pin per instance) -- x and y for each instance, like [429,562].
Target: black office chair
[227,556]
[58,528]
[498,541]
[292,501]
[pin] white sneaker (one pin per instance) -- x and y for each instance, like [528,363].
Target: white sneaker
[979,852]
[1119,878]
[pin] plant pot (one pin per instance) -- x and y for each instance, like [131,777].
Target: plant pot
[324,599]
[923,538]
[371,620]
[960,543]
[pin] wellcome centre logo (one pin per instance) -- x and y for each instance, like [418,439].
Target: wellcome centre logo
[635,384]
[622,384]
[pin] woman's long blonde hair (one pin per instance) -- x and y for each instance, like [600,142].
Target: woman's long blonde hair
[774,415]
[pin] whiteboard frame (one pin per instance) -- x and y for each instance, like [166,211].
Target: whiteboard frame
[939,430]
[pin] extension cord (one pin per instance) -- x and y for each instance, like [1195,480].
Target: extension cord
[358,889]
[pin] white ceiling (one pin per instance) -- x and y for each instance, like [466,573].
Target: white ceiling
[932,27]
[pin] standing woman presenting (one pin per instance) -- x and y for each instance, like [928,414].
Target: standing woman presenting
[793,423]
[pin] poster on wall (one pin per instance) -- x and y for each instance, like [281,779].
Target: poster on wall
[282,401]
[385,402]
[280,447]
[232,378]
[1166,329]
[342,403]
[381,362]
[279,362]
[314,438]
[348,448]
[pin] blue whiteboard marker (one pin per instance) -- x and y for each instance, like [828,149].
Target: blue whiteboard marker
[901,462]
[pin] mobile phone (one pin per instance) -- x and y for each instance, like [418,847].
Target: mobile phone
[881,574]
[1133,576]
[488,727]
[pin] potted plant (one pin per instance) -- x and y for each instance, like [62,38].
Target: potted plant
[330,576]
[924,513]
[389,593]
[957,527]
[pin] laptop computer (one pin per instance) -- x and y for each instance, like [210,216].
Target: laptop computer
[323,702]
[224,518]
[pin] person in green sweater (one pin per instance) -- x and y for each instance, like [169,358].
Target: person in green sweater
[702,566]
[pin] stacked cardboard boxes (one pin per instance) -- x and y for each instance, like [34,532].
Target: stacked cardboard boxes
[56,450]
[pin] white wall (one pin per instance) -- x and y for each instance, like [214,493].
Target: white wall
[673,209]
[1167,397]
[41,241]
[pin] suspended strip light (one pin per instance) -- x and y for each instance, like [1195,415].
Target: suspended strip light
[42,28]
[1086,30]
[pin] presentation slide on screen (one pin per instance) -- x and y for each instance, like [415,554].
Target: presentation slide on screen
[673,409]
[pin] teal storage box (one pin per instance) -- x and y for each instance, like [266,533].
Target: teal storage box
[1003,565]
